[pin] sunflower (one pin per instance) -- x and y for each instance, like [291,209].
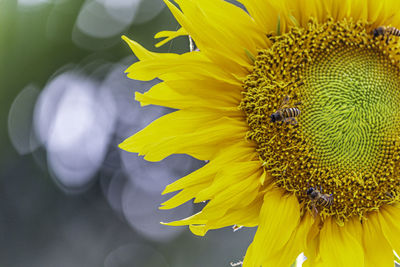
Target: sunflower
[296,106]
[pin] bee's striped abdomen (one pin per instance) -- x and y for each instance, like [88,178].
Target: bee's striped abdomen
[291,112]
[385,31]
[393,31]
[325,200]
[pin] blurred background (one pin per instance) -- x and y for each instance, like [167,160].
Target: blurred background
[68,195]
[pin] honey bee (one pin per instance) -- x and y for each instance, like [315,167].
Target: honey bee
[319,199]
[285,113]
[386,31]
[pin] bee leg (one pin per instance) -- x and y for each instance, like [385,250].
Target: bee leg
[292,121]
[286,120]
[315,211]
[387,40]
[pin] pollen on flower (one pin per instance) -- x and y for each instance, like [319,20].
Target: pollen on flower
[345,141]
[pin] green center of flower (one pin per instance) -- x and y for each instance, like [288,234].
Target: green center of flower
[351,111]
[345,143]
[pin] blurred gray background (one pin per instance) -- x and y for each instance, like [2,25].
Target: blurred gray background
[68,195]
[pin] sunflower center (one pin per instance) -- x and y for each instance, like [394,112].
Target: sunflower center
[351,109]
[322,105]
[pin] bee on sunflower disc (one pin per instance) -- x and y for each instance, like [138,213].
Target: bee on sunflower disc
[386,31]
[286,113]
[319,199]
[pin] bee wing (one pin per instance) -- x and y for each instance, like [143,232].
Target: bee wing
[314,210]
[290,120]
[285,102]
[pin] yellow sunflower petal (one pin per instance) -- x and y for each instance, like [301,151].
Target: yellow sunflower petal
[169,35]
[295,245]
[383,13]
[338,247]
[232,175]
[215,43]
[234,19]
[266,13]
[182,94]
[391,13]
[303,10]
[205,220]
[222,197]
[389,218]
[201,180]
[184,195]
[278,212]
[318,263]
[140,52]
[194,132]
[394,17]
[359,10]
[194,219]
[374,9]
[244,216]
[312,248]
[238,152]
[378,252]
[237,195]
[199,230]
[171,66]
[177,64]
[338,10]
[247,217]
